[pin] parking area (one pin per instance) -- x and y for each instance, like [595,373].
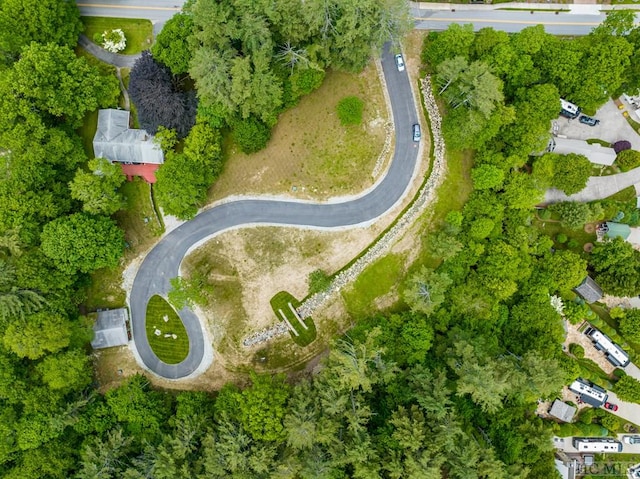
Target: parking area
[612,127]
[566,444]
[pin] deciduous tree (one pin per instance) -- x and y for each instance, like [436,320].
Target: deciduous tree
[66,371]
[158,100]
[98,187]
[630,325]
[80,242]
[568,173]
[47,21]
[53,81]
[171,46]
[262,407]
[426,290]
[37,334]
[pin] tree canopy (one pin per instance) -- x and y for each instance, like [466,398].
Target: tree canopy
[158,100]
[80,242]
[98,187]
[52,80]
[47,21]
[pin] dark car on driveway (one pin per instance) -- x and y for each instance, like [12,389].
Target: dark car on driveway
[587,120]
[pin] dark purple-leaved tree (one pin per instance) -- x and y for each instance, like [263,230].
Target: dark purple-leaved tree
[158,100]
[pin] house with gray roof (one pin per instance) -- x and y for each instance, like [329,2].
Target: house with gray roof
[110,328]
[589,290]
[562,410]
[116,142]
[614,230]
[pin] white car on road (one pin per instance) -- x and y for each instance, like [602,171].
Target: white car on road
[399,62]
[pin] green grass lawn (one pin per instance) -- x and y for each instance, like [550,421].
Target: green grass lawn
[280,302]
[141,227]
[553,229]
[88,130]
[139,33]
[376,280]
[161,316]
[105,290]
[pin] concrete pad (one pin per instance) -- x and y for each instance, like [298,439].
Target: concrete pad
[598,188]
[612,127]
[634,237]
[584,9]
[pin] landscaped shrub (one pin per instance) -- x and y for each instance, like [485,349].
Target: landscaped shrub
[621,145]
[575,312]
[251,134]
[628,159]
[114,41]
[572,243]
[573,215]
[577,350]
[630,325]
[586,415]
[611,422]
[561,238]
[350,110]
[544,214]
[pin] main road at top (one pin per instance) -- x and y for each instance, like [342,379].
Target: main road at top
[435,17]
[564,23]
[158,11]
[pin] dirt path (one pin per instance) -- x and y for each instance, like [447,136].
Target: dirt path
[125,93]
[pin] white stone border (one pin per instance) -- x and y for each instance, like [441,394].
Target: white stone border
[425,196]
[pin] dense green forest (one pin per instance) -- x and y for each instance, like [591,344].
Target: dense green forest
[445,388]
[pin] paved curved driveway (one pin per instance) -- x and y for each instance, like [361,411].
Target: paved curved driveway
[114,59]
[163,262]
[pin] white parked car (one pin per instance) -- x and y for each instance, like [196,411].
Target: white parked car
[399,62]
[631,439]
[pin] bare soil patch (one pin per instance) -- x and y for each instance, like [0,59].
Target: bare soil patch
[247,267]
[311,155]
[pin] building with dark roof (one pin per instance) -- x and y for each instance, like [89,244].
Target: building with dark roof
[589,290]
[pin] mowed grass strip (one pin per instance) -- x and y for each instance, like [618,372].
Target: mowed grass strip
[161,316]
[376,280]
[139,32]
[280,302]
